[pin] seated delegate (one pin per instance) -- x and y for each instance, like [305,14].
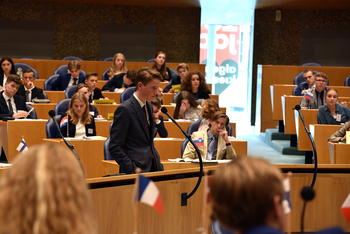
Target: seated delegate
[340,135]
[195,83]
[214,143]
[209,107]
[187,107]
[83,88]
[28,90]
[78,122]
[160,128]
[332,112]
[120,82]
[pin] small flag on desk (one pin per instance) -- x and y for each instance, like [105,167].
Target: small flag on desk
[149,194]
[22,147]
[198,141]
[286,203]
[308,95]
[64,122]
[345,208]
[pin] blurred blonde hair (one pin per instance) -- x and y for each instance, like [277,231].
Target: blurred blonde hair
[113,68]
[45,192]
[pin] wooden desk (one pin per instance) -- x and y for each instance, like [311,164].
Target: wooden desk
[11,133]
[102,127]
[168,98]
[112,95]
[343,91]
[105,109]
[55,96]
[310,117]
[320,213]
[321,133]
[288,103]
[339,153]
[40,83]
[42,109]
[277,91]
[90,153]
[163,146]
[101,83]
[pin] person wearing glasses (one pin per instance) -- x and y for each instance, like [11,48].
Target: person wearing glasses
[316,98]
[309,83]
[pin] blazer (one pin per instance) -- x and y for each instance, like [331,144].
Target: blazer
[88,127]
[190,151]
[97,94]
[313,102]
[115,82]
[61,83]
[302,86]
[131,143]
[93,110]
[201,95]
[20,105]
[160,128]
[36,92]
[324,116]
[338,135]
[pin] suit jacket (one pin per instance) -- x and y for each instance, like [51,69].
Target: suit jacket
[338,135]
[115,82]
[97,94]
[160,128]
[20,105]
[36,92]
[62,81]
[131,143]
[93,110]
[324,116]
[313,102]
[190,151]
[174,81]
[71,127]
[302,86]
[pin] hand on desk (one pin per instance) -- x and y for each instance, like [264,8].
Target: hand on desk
[21,114]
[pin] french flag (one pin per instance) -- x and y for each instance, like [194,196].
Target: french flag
[149,194]
[198,141]
[64,122]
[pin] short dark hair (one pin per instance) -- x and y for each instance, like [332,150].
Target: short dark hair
[217,115]
[80,86]
[321,74]
[14,78]
[74,64]
[156,102]
[28,70]
[308,70]
[146,75]
[91,74]
[131,75]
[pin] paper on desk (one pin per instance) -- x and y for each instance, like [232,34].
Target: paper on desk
[180,160]
[166,139]
[95,138]
[2,165]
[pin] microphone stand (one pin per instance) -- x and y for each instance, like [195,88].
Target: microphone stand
[307,193]
[184,196]
[71,147]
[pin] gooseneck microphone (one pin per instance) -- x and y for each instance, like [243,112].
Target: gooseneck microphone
[184,196]
[71,147]
[307,193]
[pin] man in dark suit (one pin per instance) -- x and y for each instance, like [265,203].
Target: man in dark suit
[12,105]
[121,81]
[132,133]
[28,90]
[65,79]
[309,83]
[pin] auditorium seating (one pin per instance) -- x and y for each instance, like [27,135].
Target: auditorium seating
[72,58]
[70,91]
[48,82]
[20,67]
[51,129]
[64,69]
[32,113]
[312,64]
[62,106]
[108,59]
[107,155]
[126,94]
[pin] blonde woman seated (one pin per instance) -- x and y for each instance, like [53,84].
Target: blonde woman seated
[209,107]
[45,192]
[214,143]
[78,122]
[117,67]
[187,107]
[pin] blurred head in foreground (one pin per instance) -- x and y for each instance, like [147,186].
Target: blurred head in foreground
[246,193]
[45,192]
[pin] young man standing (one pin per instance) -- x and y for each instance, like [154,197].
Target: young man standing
[66,79]
[132,133]
[28,89]
[12,105]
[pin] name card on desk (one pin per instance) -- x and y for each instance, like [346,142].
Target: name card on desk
[347,137]
[108,101]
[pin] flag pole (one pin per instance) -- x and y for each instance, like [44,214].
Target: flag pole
[289,215]
[205,202]
[136,199]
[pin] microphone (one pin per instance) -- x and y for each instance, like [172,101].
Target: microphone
[307,193]
[297,107]
[184,196]
[71,147]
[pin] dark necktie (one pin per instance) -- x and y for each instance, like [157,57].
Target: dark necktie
[75,81]
[211,149]
[10,106]
[144,111]
[27,95]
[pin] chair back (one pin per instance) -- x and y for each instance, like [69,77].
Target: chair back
[64,69]
[126,94]
[175,96]
[183,146]
[51,129]
[70,91]
[347,81]
[105,75]
[150,60]
[72,58]
[106,153]
[300,78]
[312,64]
[193,127]
[174,73]
[217,228]
[32,114]
[45,95]
[48,82]
[108,59]
[62,106]
[20,67]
